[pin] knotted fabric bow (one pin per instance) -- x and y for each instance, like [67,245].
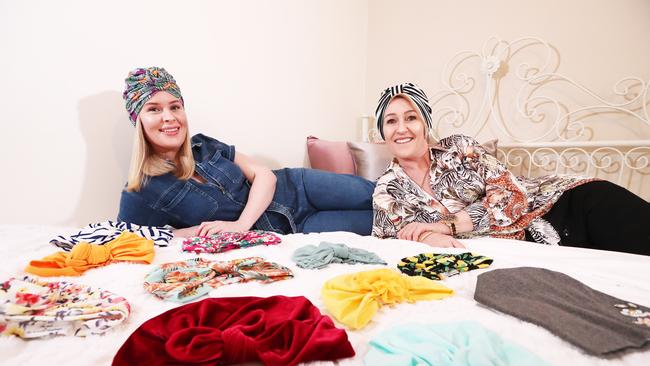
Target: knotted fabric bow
[223,242]
[127,247]
[188,280]
[438,266]
[354,299]
[276,330]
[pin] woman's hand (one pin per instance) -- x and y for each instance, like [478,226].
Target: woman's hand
[185,232]
[442,241]
[414,230]
[213,227]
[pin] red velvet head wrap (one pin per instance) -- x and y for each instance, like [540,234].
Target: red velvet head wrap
[275,330]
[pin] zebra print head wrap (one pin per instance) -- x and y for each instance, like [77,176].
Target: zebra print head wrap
[409,90]
[142,84]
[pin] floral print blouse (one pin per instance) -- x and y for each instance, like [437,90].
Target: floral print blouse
[463,176]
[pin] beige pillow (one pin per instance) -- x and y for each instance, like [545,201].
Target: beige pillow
[371,160]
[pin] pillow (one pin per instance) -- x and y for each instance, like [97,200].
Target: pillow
[333,156]
[371,160]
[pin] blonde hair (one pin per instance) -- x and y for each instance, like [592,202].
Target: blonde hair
[145,163]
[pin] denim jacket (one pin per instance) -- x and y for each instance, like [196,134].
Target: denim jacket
[167,200]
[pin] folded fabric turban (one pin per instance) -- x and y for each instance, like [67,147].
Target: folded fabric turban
[448,344]
[411,91]
[438,266]
[31,308]
[106,231]
[223,242]
[596,322]
[188,280]
[276,330]
[354,299]
[142,84]
[312,257]
[127,247]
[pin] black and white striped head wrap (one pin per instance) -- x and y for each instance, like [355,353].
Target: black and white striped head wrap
[409,90]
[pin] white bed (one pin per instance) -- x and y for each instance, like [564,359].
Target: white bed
[622,275]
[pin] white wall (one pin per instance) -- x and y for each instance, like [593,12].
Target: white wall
[599,41]
[261,75]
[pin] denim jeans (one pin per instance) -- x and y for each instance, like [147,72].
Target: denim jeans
[337,202]
[305,200]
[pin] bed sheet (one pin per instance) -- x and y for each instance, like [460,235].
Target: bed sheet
[621,275]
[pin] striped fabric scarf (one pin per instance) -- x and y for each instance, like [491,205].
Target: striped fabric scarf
[103,232]
[409,90]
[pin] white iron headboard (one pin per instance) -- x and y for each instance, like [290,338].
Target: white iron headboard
[546,122]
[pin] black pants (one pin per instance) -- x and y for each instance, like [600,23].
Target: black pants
[602,215]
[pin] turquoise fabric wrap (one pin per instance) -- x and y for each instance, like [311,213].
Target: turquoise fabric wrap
[447,344]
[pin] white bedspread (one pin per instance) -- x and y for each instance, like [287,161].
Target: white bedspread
[622,275]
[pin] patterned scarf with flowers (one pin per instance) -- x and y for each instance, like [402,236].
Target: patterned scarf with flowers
[31,308]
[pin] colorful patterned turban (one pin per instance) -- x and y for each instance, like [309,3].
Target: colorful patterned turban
[225,241]
[436,266]
[276,330]
[187,280]
[411,91]
[32,308]
[142,84]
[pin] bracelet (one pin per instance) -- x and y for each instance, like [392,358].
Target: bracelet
[449,220]
[424,235]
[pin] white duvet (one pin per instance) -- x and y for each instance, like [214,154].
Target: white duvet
[621,275]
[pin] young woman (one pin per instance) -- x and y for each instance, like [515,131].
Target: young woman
[455,189]
[201,186]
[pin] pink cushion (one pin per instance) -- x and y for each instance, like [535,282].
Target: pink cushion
[368,160]
[333,156]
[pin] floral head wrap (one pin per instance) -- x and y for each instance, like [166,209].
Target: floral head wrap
[142,84]
[409,90]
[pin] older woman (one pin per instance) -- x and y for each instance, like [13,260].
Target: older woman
[202,186]
[456,189]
